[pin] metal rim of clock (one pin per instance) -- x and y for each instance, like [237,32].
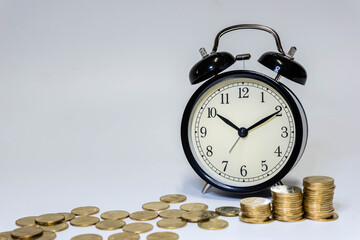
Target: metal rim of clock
[293,158]
[280,62]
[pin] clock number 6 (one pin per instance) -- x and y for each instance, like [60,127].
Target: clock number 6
[243,171]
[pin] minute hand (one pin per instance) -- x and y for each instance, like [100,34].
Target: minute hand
[263,120]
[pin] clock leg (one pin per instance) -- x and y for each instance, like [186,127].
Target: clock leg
[278,183]
[206,188]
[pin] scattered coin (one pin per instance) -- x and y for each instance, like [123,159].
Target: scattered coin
[124,236]
[85,211]
[171,223]
[114,215]
[5,236]
[87,237]
[228,211]
[196,216]
[194,207]
[68,216]
[27,232]
[173,198]
[110,224]
[144,215]
[155,206]
[55,228]
[84,221]
[171,213]
[213,224]
[49,219]
[26,222]
[46,236]
[138,227]
[162,236]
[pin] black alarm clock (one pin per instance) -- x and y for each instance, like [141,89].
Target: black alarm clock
[243,131]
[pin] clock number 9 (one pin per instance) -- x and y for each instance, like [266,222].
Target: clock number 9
[203,132]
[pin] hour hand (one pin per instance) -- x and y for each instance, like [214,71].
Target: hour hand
[228,122]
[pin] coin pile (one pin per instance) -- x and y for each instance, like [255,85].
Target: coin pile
[287,203]
[318,192]
[255,210]
[318,198]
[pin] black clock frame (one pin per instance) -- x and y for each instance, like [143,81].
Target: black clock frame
[298,122]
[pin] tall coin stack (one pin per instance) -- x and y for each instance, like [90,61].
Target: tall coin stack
[318,198]
[287,203]
[255,210]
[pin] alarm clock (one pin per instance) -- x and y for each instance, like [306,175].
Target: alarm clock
[243,131]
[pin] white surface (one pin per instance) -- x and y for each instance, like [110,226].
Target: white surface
[92,94]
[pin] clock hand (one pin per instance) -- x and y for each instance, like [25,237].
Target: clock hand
[234,144]
[228,122]
[263,120]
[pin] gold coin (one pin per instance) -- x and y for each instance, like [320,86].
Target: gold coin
[162,236]
[171,223]
[87,237]
[138,227]
[124,236]
[173,198]
[68,216]
[171,213]
[56,228]
[155,206]
[255,201]
[84,221]
[196,216]
[85,211]
[333,217]
[144,215]
[49,219]
[110,224]
[26,221]
[114,215]
[27,232]
[321,180]
[194,207]
[228,211]
[213,224]
[46,236]
[255,221]
[5,236]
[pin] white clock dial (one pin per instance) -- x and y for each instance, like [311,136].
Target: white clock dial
[241,131]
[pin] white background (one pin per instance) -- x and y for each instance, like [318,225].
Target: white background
[92,95]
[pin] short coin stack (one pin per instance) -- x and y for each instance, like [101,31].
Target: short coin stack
[255,210]
[318,198]
[287,203]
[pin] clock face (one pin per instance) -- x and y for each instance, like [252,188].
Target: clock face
[241,132]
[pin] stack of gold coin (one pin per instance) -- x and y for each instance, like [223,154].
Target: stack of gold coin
[255,210]
[318,198]
[287,203]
